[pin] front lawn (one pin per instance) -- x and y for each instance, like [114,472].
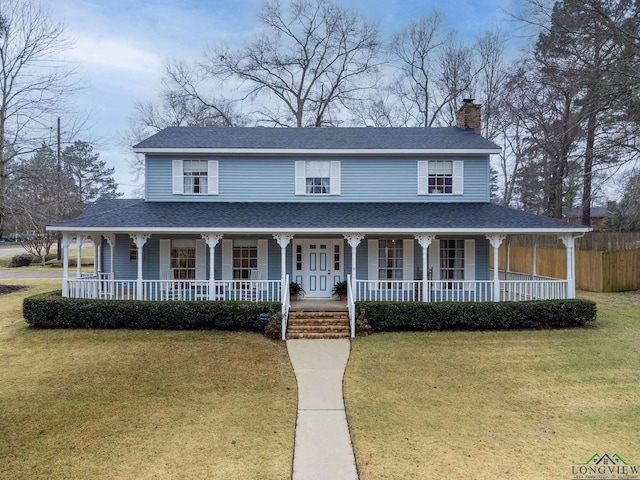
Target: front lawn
[141,404]
[498,404]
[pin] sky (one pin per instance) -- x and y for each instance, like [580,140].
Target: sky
[121,47]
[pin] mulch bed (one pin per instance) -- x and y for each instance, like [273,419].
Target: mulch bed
[10,288]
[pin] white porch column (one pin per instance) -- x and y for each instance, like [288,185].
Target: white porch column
[139,239]
[507,246]
[425,241]
[212,241]
[111,240]
[79,240]
[569,243]
[495,241]
[97,253]
[283,241]
[353,241]
[534,259]
[66,240]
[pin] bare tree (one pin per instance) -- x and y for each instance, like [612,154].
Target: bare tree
[182,102]
[312,58]
[593,44]
[36,201]
[416,48]
[545,105]
[33,84]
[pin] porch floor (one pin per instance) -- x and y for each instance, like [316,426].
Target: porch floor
[319,305]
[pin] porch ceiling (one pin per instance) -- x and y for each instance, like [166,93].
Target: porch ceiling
[136,215]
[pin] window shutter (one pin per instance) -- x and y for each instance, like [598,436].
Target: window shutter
[469,263]
[227,259]
[201,260]
[165,258]
[407,260]
[434,261]
[212,173]
[423,173]
[372,273]
[335,178]
[300,178]
[178,175]
[263,259]
[458,177]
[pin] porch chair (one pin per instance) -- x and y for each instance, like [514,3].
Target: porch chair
[167,286]
[256,288]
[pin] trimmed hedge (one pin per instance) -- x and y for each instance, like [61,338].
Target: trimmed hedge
[389,316]
[26,259]
[51,310]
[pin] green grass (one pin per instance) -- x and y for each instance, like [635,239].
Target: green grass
[506,404]
[86,259]
[114,404]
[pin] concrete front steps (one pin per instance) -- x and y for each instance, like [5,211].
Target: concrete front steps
[318,324]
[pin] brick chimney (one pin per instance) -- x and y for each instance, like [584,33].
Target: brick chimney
[468,116]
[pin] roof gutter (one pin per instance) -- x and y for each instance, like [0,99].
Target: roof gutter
[318,151]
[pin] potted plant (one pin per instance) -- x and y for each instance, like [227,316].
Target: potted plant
[295,290]
[340,289]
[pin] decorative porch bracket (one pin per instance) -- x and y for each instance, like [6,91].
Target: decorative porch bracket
[425,241]
[353,241]
[139,239]
[496,241]
[66,241]
[212,241]
[569,244]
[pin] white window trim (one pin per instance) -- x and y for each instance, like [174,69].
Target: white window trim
[301,179]
[457,183]
[178,178]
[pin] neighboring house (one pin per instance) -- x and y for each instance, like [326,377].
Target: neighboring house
[599,215]
[235,213]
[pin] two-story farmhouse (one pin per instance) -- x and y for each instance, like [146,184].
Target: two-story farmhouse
[238,213]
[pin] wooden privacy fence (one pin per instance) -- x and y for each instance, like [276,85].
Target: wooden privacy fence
[596,271]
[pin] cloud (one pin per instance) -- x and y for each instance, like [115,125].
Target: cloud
[114,54]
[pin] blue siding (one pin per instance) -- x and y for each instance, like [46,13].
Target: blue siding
[126,269]
[379,179]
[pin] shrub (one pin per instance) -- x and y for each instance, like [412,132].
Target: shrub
[388,316]
[51,310]
[21,260]
[273,328]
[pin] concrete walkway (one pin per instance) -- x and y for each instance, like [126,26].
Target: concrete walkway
[323,448]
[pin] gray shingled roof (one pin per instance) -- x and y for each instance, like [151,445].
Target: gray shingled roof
[126,214]
[316,138]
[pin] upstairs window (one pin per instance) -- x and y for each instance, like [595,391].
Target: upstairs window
[440,177]
[195,177]
[317,177]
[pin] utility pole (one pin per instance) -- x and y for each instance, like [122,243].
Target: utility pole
[58,190]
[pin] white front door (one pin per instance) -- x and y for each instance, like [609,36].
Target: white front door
[317,266]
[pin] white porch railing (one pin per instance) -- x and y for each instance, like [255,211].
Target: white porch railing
[101,286]
[251,290]
[521,276]
[459,291]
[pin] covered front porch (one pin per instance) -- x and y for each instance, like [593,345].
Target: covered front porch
[375,266]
